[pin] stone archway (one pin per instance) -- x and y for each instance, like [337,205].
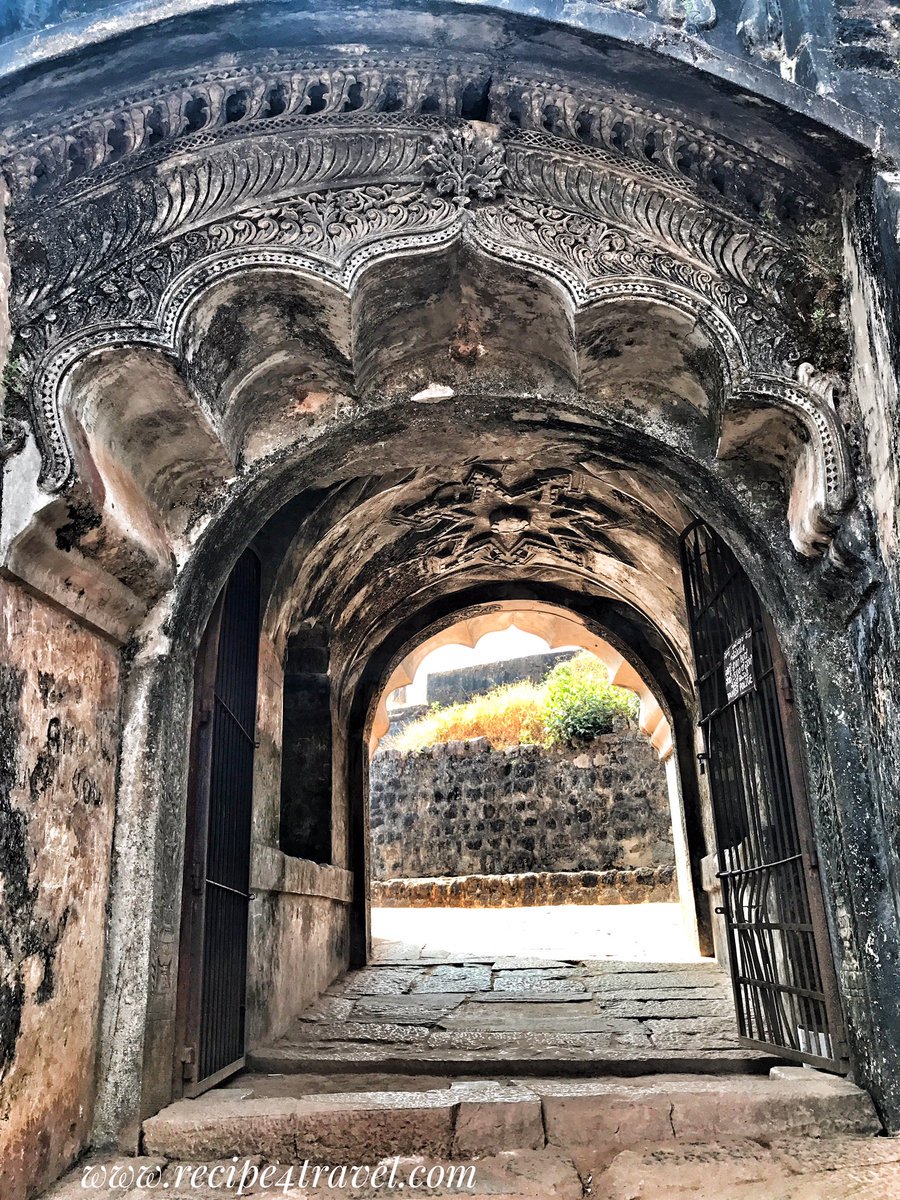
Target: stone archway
[306,307]
[561,618]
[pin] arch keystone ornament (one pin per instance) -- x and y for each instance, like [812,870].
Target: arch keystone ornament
[466,164]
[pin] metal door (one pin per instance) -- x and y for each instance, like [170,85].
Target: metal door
[781,967]
[217,864]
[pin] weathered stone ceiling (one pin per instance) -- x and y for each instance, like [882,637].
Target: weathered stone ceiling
[374,552]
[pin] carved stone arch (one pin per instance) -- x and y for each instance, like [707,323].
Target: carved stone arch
[48,387]
[794,425]
[550,622]
[587,289]
[332,194]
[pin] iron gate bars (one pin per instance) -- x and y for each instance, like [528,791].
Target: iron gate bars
[781,968]
[217,884]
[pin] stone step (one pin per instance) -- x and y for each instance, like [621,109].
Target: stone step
[520,1056]
[836,1167]
[465,1119]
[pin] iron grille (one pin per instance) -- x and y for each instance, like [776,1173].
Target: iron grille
[781,969]
[226,888]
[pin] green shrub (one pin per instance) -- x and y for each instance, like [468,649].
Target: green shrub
[574,703]
[581,703]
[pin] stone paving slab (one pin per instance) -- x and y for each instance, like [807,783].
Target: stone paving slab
[534,964]
[533,1017]
[328,1008]
[548,981]
[618,966]
[384,1017]
[789,1169]
[274,1084]
[420,1008]
[338,1127]
[595,1118]
[378,981]
[563,993]
[532,1042]
[623,1059]
[670,1010]
[454,979]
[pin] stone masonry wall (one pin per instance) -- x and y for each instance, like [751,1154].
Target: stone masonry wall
[465,809]
[59,709]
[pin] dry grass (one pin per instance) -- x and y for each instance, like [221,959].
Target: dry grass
[506,716]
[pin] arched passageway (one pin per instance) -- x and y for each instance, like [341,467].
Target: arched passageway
[431,340]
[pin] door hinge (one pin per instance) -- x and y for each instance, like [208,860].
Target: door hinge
[187,1063]
[197,878]
[784,687]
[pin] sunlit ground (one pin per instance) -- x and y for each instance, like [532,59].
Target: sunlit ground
[633,932]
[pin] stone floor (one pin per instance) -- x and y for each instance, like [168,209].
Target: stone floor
[435,1058]
[422,1009]
[836,1168]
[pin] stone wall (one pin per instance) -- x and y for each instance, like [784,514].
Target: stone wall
[299,916]
[456,687]
[642,885]
[58,752]
[465,809]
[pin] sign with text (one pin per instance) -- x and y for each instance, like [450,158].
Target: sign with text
[738,664]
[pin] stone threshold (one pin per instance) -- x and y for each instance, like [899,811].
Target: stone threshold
[577,1060]
[588,1119]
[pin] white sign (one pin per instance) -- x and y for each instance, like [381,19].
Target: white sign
[738,663]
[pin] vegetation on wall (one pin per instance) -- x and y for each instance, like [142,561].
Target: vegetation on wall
[574,703]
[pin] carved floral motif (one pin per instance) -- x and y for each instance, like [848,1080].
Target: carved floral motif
[465,165]
[605,197]
[510,521]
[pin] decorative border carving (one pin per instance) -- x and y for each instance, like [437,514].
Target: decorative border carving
[330,200]
[94,148]
[822,488]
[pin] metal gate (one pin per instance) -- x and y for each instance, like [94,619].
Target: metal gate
[781,968]
[217,864]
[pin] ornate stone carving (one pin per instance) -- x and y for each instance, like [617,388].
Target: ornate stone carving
[609,199]
[331,224]
[100,144]
[464,164]
[510,523]
[93,149]
[760,27]
[596,259]
[689,14]
[573,178]
[821,484]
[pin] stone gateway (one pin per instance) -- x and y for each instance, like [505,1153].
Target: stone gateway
[328,329]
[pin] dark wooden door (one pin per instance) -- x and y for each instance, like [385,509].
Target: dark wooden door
[213,971]
[781,965]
